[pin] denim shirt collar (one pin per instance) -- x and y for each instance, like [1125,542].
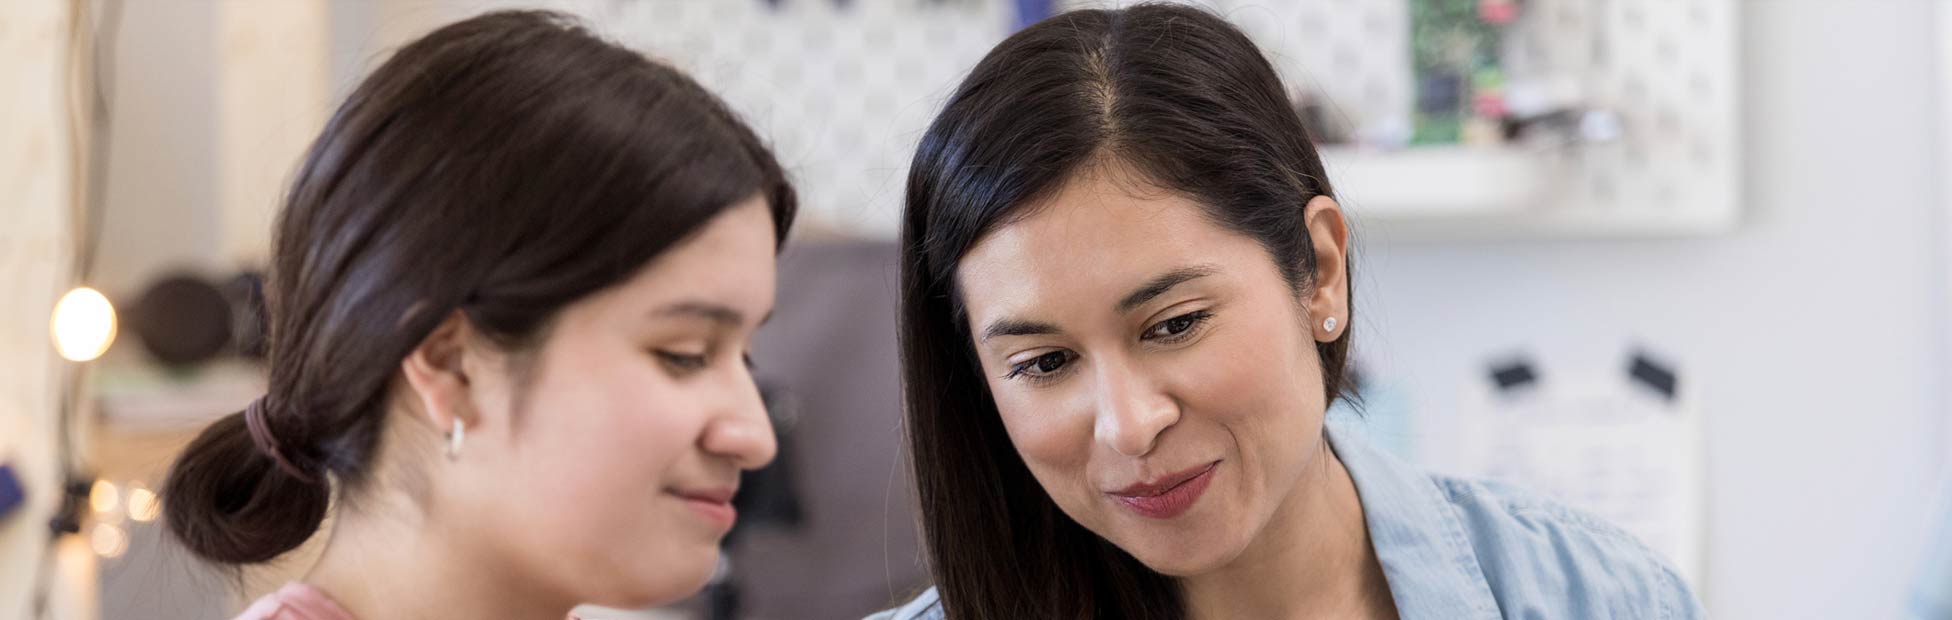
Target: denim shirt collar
[1420,540]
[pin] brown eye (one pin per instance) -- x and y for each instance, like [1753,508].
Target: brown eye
[1049,362]
[1041,366]
[1177,327]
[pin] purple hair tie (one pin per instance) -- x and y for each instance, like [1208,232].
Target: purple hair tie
[266,443]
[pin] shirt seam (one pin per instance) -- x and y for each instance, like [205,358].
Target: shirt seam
[1462,553]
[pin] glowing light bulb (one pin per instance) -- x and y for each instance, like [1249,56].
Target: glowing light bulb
[83,325]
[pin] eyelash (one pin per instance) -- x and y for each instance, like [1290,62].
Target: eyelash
[686,363]
[683,363]
[1194,320]
[1020,370]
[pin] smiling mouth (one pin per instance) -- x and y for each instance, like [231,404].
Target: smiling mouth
[715,496]
[1167,497]
[1165,483]
[714,505]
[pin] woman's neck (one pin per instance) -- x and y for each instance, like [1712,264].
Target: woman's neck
[1312,560]
[387,564]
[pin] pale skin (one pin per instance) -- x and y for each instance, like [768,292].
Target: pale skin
[586,460]
[1127,337]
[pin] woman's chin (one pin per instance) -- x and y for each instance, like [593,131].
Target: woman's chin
[1180,566]
[1180,557]
[664,583]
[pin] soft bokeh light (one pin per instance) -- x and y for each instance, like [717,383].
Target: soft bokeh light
[143,506]
[108,540]
[83,325]
[104,497]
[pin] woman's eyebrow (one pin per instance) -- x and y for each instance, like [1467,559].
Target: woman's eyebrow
[714,312]
[1018,327]
[1160,284]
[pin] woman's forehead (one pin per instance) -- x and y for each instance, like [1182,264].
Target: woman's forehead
[1091,247]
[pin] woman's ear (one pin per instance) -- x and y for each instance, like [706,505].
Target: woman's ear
[1327,300]
[438,377]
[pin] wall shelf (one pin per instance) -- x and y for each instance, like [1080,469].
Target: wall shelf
[1469,193]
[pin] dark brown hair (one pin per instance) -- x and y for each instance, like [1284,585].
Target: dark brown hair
[503,167]
[1178,95]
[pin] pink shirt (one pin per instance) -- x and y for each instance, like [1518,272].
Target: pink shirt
[297,601]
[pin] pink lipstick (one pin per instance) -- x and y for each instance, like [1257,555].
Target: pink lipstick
[1169,496]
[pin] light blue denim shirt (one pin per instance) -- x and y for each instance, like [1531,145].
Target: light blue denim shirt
[1454,549]
[1931,597]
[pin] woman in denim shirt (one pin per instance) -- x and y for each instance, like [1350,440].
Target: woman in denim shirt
[1125,309]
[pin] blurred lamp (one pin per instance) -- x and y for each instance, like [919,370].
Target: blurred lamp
[83,325]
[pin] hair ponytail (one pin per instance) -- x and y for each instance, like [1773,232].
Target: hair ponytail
[228,501]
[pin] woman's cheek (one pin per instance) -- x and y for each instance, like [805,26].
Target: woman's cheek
[1047,429]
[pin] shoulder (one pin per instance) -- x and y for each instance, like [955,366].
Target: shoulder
[1544,559]
[922,607]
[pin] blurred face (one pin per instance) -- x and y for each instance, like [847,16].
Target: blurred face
[608,470]
[1154,370]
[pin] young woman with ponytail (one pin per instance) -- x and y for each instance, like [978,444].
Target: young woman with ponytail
[512,288]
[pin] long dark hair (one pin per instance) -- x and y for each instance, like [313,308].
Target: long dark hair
[1188,101]
[503,166]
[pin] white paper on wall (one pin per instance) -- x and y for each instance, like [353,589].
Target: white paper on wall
[1604,445]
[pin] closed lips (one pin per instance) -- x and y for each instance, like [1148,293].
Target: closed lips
[1165,484]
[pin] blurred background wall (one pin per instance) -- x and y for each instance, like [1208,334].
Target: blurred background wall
[38,168]
[1816,330]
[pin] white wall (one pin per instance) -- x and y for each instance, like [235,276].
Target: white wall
[162,205]
[1814,335]
[36,169]
[209,116]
